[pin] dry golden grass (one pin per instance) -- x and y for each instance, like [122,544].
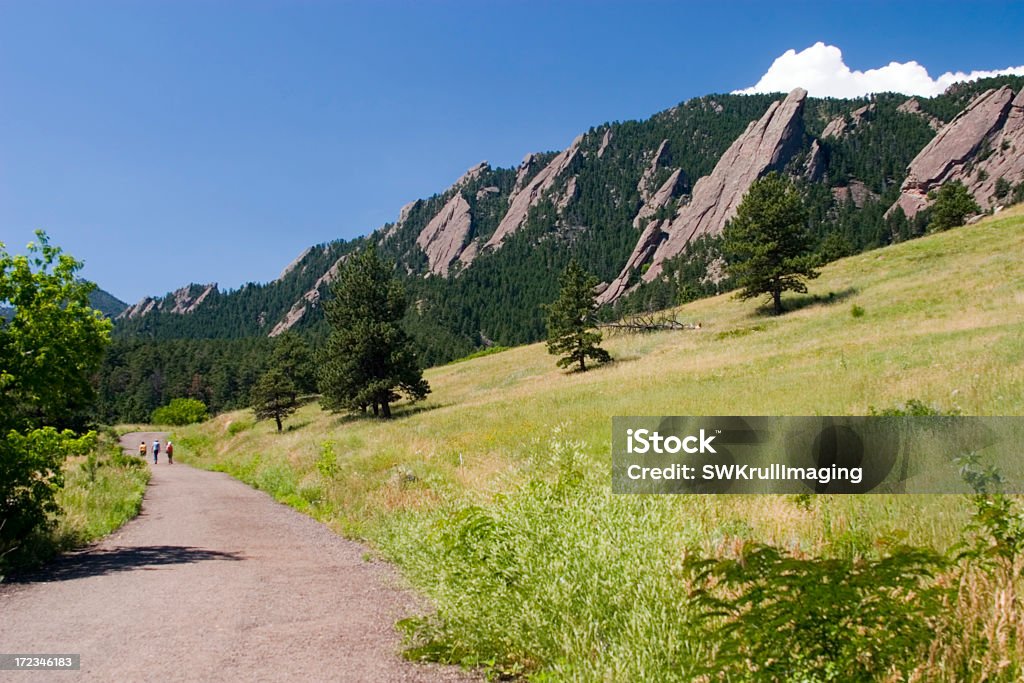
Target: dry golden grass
[943,323]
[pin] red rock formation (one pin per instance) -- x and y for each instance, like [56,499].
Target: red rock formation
[527,194]
[767,144]
[444,236]
[956,152]
[913,107]
[184,300]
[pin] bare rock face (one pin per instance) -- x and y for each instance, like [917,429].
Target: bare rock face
[1006,159]
[143,307]
[956,152]
[291,266]
[472,174]
[657,161]
[526,167]
[856,192]
[445,234]
[604,143]
[308,300]
[660,199]
[526,196]
[766,145]
[181,301]
[814,167]
[913,108]
[838,126]
[568,194]
[650,238]
[444,237]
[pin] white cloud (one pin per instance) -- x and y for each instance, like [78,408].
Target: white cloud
[821,71]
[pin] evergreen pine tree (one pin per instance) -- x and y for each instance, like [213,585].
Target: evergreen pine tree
[274,397]
[953,203]
[571,320]
[294,358]
[368,361]
[767,245]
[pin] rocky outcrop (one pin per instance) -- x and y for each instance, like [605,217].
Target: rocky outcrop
[766,145]
[568,194]
[913,108]
[604,142]
[814,167]
[291,266]
[840,125]
[966,148]
[656,163]
[308,300]
[143,307]
[181,301]
[472,174]
[526,169]
[856,192]
[1006,159]
[443,238]
[659,200]
[529,193]
[650,239]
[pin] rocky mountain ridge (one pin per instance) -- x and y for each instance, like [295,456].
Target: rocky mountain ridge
[619,197]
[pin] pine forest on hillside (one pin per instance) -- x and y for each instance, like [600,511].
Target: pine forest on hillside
[847,181]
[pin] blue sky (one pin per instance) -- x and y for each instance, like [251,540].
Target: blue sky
[165,142]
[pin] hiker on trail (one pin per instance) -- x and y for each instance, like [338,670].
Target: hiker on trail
[156,450]
[142,448]
[170,453]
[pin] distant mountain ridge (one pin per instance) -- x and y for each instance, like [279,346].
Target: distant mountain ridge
[640,204]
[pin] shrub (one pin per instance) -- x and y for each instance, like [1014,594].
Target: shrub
[1002,188]
[781,618]
[857,311]
[239,426]
[31,475]
[180,411]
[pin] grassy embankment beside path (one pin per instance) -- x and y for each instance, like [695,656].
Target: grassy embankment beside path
[493,495]
[102,491]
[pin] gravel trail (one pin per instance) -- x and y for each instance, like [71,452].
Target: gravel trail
[214,581]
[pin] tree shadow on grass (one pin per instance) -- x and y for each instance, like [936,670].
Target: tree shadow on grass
[398,412]
[98,562]
[795,303]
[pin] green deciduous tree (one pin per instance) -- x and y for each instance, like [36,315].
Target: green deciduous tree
[571,320]
[767,245]
[368,361]
[274,396]
[51,345]
[180,411]
[952,205]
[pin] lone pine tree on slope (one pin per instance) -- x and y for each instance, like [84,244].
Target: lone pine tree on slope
[369,360]
[274,396]
[767,244]
[571,320]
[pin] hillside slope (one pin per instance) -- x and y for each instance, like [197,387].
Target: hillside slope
[942,322]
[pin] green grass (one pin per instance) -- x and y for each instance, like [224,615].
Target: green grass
[493,496]
[101,492]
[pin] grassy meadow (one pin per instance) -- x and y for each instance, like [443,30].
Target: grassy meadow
[493,495]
